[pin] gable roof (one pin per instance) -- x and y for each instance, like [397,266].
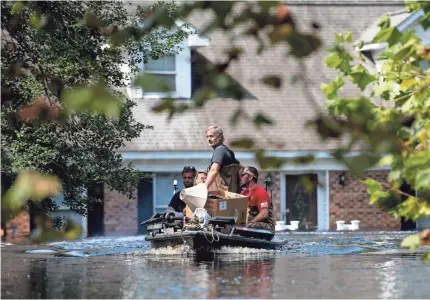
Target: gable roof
[289,107]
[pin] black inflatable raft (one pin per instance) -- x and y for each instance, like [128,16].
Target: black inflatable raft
[166,231]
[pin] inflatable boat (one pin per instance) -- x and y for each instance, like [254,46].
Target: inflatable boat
[204,233]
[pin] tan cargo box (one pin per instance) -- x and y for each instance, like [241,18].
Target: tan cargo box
[231,205]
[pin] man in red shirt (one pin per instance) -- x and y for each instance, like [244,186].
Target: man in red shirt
[260,210]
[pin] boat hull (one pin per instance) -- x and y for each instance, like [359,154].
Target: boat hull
[200,240]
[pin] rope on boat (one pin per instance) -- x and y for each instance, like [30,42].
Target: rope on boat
[213,236]
[195,224]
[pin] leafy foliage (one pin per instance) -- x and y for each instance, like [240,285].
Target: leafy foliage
[390,120]
[63,109]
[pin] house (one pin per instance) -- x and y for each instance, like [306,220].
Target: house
[180,141]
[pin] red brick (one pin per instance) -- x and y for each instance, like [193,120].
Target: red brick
[120,213]
[351,202]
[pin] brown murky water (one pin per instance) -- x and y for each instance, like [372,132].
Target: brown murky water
[354,265]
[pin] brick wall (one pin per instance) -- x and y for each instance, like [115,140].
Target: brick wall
[276,191]
[120,213]
[21,223]
[351,202]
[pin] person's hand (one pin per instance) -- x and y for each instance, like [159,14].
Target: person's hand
[176,214]
[179,215]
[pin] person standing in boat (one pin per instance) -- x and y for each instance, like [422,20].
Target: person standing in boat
[224,168]
[260,209]
[176,204]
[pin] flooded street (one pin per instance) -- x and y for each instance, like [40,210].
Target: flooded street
[313,265]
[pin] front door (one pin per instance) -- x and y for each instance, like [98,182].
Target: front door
[95,219]
[302,203]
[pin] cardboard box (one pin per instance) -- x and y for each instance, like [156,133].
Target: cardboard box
[229,206]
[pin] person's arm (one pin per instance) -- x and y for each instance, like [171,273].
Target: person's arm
[174,202]
[263,200]
[261,217]
[212,174]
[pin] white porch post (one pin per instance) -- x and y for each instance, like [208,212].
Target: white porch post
[283,196]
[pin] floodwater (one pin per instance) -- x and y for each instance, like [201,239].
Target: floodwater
[312,265]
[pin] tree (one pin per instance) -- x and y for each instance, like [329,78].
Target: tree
[63,112]
[390,120]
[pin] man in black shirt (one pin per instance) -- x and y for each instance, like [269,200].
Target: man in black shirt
[224,168]
[176,204]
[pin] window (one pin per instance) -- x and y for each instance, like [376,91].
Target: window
[164,69]
[174,70]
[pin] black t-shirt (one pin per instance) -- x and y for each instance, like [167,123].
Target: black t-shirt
[176,203]
[223,156]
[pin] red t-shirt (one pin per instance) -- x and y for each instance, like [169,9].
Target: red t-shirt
[257,197]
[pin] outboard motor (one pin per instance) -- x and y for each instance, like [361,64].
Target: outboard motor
[160,223]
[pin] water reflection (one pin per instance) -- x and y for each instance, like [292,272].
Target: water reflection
[244,276]
[324,266]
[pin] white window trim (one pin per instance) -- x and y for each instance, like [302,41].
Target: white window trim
[183,69]
[182,79]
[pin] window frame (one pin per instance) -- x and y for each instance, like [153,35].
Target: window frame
[182,77]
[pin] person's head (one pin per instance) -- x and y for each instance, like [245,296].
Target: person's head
[214,135]
[249,174]
[188,175]
[201,176]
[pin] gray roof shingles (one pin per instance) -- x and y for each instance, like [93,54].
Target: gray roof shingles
[288,107]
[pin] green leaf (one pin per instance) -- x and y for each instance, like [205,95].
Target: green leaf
[412,242]
[348,37]
[268,162]
[425,21]
[339,38]
[38,21]
[413,208]
[167,104]
[422,179]
[30,186]
[390,35]
[307,159]
[384,22]
[261,119]
[331,89]
[280,33]
[386,86]
[16,8]
[407,84]
[360,76]
[234,118]
[93,99]
[203,95]
[307,183]
[339,59]
[272,81]
[404,52]
[266,5]
[151,84]
[358,164]
[425,258]
[302,45]
[333,60]
[243,143]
